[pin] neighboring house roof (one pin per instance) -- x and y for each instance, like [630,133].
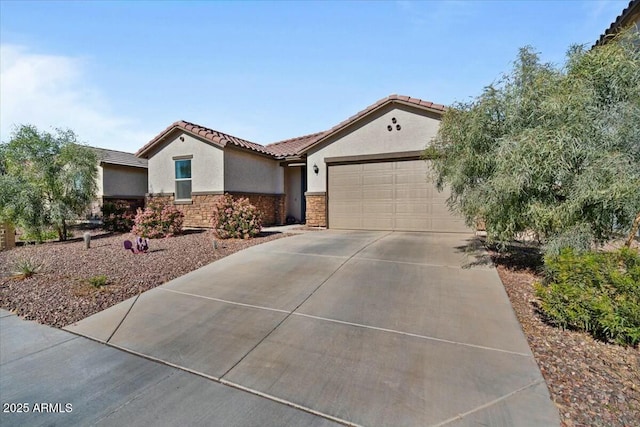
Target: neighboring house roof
[289,147]
[628,16]
[120,158]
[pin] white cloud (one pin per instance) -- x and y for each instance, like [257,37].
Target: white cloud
[52,91]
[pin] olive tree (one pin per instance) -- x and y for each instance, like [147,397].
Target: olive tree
[552,151]
[45,179]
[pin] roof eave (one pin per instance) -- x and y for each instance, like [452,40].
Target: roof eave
[628,15]
[144,151]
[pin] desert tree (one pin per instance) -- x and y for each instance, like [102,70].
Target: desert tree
[553,151]
[45,179]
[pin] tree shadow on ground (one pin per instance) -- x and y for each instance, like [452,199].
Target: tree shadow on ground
[518,256]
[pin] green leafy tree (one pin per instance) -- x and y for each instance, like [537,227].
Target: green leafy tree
[45,179]
[547,150]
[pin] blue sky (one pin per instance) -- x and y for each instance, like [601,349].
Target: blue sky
[118,73]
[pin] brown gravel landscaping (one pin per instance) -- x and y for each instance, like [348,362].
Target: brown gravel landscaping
[592,383]
[60,293]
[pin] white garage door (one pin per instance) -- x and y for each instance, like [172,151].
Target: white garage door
[388,196]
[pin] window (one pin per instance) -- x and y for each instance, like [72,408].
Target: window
[183,179]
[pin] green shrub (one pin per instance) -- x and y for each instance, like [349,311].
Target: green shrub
[158,220]
[117,216]
[594,292]
[236,218]
[98,281]
[26,267]
[33,236]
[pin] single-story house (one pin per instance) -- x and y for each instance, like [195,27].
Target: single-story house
[364,173]
[121,176]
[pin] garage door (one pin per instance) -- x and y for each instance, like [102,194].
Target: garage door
[388,196]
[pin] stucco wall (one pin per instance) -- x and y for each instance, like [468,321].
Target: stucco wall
[250,173]
[417,128]
[123,181]
[207,165]
[99,181]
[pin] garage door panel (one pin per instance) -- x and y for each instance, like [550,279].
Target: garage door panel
[346,180]
[413,179]
[378,167]
[347,194]
[372,208]
[388,196]
[379,194]
[378,179]
[418,194]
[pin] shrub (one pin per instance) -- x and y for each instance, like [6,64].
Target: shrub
[44,235]
[158,220]
[26,267]
[236,218]
[117,216]
[98,281]
[595,292]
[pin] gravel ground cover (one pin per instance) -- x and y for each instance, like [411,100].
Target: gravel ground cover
[60,293]
[592,383]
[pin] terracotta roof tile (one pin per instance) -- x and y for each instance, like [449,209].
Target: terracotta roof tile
[289,147]
[628,15]
[293,146]
[218,138]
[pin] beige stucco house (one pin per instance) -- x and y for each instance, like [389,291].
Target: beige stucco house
[121,176]
[364,173]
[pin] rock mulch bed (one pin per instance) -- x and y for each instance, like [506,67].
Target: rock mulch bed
[60,293]
[592,383]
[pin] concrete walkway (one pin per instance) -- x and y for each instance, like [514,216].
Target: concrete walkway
[364,328]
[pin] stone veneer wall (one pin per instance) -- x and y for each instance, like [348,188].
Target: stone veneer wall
[199,212]
[7,237]
[316,215]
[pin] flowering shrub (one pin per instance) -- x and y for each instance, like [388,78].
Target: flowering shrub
[158,220]
[117,216]
[236,218]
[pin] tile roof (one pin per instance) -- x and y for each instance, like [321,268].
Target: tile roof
[289,147]
[628,15]
[219,138]
[113,157]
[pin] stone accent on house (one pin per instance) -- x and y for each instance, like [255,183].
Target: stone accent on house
[7,237]
[271,206]
[199,211]
[316,211]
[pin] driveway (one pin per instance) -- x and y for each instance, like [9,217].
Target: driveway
[366,328]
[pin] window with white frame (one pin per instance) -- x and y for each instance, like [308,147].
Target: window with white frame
[183,179]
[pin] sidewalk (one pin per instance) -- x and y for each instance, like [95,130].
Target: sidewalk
[58,378]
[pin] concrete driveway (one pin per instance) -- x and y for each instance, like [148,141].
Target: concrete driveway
[366,328]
